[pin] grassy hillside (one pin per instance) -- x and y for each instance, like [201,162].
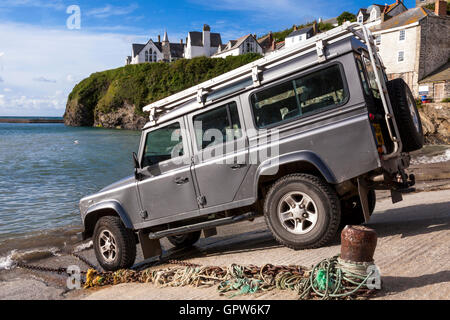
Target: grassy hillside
[138,85]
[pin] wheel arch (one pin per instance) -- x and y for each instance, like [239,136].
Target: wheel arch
[107,208]
[295,162]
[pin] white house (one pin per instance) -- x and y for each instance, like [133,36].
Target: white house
[203,43]
[414,44]
[156,51]
[376,13]
[245,44]
[300,35]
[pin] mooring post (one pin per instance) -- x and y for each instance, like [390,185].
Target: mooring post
[358,244]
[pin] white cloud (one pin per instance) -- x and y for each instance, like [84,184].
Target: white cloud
[63,56]
[2,54]
[42,79]
[7,90]
[109,10]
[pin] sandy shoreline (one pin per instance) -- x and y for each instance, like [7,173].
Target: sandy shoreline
[433,185]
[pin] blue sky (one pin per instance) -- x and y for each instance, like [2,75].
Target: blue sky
[41,59]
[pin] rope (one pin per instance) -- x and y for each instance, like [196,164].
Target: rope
[329,279]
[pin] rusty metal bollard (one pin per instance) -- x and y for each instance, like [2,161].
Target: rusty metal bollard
[358,244]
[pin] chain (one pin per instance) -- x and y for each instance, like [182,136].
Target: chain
[183,263]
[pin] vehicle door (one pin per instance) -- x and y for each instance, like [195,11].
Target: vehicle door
[220,149]
[166,186]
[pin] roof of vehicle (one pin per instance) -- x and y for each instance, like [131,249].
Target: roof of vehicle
[338,41]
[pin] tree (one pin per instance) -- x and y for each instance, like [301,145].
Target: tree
[346,16]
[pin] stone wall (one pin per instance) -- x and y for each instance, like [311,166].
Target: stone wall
[434,49]
[436,122]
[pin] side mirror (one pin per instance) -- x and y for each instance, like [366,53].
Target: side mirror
[136,161]
[137,166]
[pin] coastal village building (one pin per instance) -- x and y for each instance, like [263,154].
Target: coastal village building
[376,13]
[300,35]
[415,44]
[203,43]
[436,86]
[245,44]
[156,51]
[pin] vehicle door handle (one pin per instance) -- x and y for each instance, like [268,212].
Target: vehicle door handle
[181,180]
[238,166]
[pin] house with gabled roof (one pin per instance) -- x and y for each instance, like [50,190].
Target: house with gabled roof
[414,43]
[205,43]
[300,35]
[245,44]
[156,51]
[377,13]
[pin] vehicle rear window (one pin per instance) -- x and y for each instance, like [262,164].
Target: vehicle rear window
[300,97]
[217,126]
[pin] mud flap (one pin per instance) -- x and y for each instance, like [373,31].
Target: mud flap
[363,196]
[150,248]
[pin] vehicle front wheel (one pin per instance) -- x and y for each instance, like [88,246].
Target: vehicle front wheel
[302,211]
[114,245]
[185,240]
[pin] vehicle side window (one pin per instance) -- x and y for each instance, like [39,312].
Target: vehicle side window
[163,144]
[300,97]
[217,126]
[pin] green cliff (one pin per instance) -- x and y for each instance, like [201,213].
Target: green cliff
[115,98]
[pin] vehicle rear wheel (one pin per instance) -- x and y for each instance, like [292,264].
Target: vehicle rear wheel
[406,115]
[114,245]
[185,240]
[302,211]
[352,212]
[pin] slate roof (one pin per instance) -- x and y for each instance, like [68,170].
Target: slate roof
[236,43]
[197,39]
[137,47]
[301,31]
[441,74]
[403,19]
[176,50]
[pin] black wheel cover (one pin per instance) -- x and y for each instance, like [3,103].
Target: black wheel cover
[406,115]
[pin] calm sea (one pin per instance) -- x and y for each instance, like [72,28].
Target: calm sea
[44,171]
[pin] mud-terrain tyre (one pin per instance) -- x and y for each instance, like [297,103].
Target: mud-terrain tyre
[185,240]
[110,233]
[352,212]
[302,211]
[406,115]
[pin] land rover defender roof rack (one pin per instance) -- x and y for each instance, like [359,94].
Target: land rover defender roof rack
[250,75]
[252,71]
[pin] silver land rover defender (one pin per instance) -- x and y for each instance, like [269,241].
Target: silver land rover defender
[302,137]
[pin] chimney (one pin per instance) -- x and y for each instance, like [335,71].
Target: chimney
[295,27]
[315,29]
[440,8]
[159,38]
[206,36]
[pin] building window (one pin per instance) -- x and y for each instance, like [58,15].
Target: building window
[402,35]
[401,56]
[373,15]
[146,56]
[309,94]
[154,57]
[360,18]
[378,40]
